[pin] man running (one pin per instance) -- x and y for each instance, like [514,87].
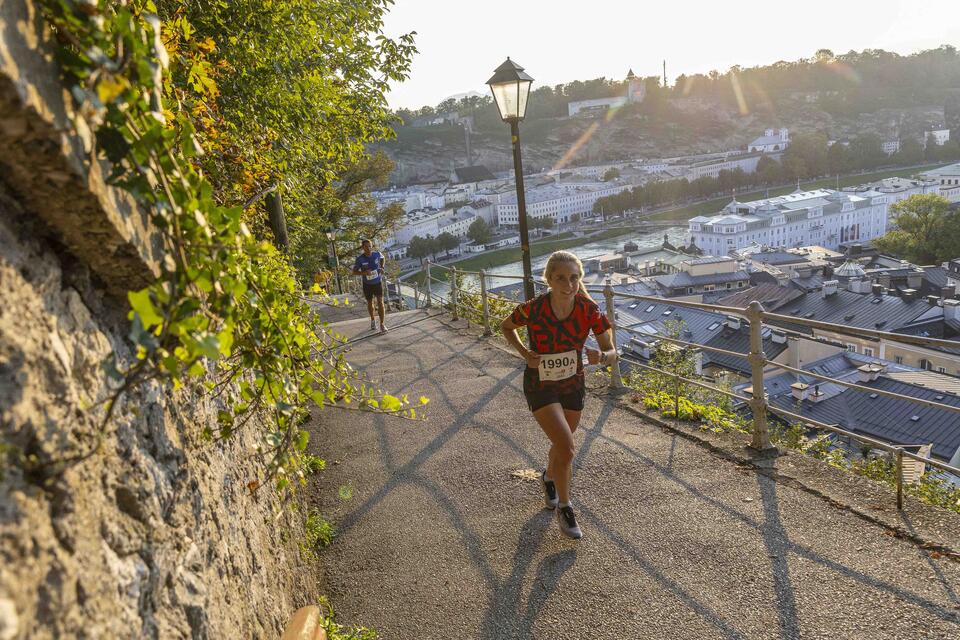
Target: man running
[369,264]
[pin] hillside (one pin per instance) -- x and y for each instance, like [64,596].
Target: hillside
[840,96]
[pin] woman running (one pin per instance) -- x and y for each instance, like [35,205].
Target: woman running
[558,323]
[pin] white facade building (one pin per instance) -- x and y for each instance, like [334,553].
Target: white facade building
[949,180]
[939,137]
[559,202]
[712,168]
[770,141]
[456,223]
[821,217]
[895,189]
[890,147]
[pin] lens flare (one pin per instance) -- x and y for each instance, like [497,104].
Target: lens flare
[738,93]
[845,71]
[575,147]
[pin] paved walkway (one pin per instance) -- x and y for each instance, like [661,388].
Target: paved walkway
[439,536]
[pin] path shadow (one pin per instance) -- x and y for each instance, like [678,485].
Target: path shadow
[778,548]
[503,617]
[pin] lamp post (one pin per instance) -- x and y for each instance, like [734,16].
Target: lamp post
[510,86]
[331,234]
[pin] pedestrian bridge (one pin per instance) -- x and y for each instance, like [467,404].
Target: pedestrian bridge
[441,531]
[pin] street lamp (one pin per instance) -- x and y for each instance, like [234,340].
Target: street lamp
[331,234]
[511,87]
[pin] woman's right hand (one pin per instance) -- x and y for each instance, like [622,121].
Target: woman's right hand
[533,359]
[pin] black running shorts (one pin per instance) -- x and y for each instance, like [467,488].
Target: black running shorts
[374,289]
[571,400]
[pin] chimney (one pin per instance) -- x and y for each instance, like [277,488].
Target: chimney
[816,395]
[855,250]
[908,295]
[858,285]
[644,348]
[778,337]
[869,372]
[733,322]
[877,290]
[948,292]
[800,390]
[830,288]
[951,309]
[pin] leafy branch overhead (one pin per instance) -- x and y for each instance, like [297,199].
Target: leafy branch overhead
[196,112]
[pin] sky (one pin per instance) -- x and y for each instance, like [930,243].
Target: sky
[461,42]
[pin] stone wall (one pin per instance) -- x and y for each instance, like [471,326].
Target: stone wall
[155,535]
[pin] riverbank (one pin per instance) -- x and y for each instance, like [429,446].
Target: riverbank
[490,259]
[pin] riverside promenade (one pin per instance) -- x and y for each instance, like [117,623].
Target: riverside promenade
[441,531]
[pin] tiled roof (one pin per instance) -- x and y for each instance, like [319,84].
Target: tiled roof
[888,419]
[886,313]
[778,257]
[684,279]
[771,296]
[475,173]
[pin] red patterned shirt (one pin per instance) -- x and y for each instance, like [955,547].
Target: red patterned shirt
[550,335]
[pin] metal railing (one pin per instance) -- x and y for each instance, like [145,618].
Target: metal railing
[755,316]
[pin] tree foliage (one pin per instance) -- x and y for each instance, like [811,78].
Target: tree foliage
[479,231]
[927,232]
[227,315]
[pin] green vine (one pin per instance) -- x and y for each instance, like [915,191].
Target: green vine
[226,312]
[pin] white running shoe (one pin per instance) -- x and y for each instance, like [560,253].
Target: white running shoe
[383,328]
[373,325]
[568,523]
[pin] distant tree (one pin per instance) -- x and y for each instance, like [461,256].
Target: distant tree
[911,152]
[575,218]
[421,247]
[611,174]
[769,171]
[446,241]
[927,232]
[479,231]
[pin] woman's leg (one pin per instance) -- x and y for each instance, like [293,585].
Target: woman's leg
[552,420]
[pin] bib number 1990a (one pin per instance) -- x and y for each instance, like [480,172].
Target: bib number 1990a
[558,366]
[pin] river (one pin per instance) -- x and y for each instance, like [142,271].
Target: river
[676,235]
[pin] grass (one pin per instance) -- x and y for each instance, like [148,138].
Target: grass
[318,533]
[712,206]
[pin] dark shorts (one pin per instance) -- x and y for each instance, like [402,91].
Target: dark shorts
[537,398]
[370,290]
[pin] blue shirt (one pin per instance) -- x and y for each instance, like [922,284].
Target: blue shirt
[369,263]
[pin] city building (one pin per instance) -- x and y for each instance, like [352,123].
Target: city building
[635,92]
[896,188]
[891,147]
[938,137]
[560,202]
[708,275]
[770,141]
[822,217]
[949,179]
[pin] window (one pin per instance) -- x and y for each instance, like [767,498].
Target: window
[852,348]
[941,370]
[867,351]
[898,359]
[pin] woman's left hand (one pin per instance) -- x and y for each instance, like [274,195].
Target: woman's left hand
[593,356]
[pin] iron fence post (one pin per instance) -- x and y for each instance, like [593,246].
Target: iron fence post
[429,286]
[758,405]
[416,296]
[453,292]
[900,478]
[484,302]
[615,381]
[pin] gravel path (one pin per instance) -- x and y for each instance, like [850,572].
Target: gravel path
[441,535]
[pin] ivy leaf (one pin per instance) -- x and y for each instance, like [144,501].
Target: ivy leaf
[142,305]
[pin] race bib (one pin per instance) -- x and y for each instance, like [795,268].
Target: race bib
[373,276]
[558,366]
